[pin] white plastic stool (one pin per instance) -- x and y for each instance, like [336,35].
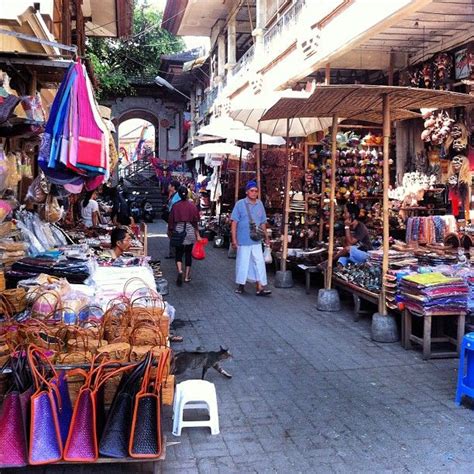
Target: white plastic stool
[192,395]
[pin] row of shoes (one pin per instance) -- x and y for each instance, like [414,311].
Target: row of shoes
[156,268]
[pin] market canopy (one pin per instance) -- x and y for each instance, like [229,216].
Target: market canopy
[250,113]
[221,148]
[225,127]
[359,100]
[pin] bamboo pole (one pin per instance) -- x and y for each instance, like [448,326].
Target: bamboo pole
[237,178]
[306,207]
[386,183]
[332,198]
[286,205]
[259,164]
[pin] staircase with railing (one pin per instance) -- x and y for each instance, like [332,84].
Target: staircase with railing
[140,176]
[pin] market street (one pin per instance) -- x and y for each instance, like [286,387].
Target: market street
[310,391]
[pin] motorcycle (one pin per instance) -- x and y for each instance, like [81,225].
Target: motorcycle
[148,212]
[135,208]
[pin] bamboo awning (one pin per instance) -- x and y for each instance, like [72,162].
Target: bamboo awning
[350,101]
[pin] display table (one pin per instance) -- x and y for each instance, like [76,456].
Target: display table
[357,293]
[156,462]
[427,340]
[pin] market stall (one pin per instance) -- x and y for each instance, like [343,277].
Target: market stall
[348,101]
[84,348]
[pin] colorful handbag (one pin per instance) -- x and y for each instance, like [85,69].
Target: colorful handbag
[81,444]
[145,434]
[14,415]
[45,435]
[116,434]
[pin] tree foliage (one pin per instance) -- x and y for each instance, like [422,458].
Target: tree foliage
[117,61]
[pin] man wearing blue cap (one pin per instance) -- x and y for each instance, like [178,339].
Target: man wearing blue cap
[249,228]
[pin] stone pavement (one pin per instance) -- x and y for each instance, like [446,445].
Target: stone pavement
[310,391]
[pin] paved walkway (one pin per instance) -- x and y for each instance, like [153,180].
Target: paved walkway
[310,391]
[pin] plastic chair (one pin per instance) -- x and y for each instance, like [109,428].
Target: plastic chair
[193,395]
[466,369]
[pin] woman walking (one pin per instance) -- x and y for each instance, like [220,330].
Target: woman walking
[183,232]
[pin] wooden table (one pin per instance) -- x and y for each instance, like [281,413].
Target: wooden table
[427,339]
[358,293]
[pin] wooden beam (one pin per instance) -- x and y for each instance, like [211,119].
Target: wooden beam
[332,204]
[66,22]
[385,205]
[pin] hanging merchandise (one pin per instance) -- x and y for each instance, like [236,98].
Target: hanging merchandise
[75,146]
[459,182]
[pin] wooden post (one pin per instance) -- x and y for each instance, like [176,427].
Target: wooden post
[259,164]
[327,78]
[66,22]
[80,29]
[386,183]
[286,205]
[237,178]
[332,198]
[306,207]
[33,86]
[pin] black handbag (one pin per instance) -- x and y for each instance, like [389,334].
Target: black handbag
[116,434]
[146,439]
[177,238]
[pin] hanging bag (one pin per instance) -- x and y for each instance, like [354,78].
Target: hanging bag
[199,251]
[177,238]
[256,232]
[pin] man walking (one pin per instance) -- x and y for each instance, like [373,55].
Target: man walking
[249,227]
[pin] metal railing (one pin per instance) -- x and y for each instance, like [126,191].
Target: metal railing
[243,64]
[207,102]
[279,37]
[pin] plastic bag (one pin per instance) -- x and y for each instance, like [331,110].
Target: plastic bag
[267,255]
[199,252]
[38,190]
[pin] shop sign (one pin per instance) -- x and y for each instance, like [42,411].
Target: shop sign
[463,63]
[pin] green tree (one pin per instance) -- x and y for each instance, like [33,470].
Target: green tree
[117,61]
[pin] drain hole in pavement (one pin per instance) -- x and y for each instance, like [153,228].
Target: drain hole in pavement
[181,323]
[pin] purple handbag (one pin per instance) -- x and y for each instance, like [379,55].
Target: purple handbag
[63,406]
[45,436]
[81,444]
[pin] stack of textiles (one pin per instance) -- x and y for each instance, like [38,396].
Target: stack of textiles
[430,229]
[75,271]
[434,293]
[427,258]
[396,259]
[468,275]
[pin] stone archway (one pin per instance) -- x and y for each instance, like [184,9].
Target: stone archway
[155,111]
[144,115]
